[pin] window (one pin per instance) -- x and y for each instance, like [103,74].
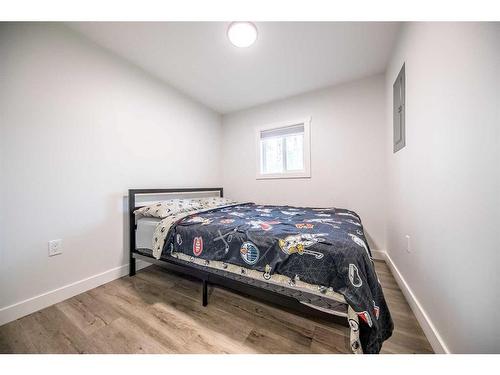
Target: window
[399,137]
[283,150]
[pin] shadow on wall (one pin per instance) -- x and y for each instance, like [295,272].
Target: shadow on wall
[371,241]
[125,234]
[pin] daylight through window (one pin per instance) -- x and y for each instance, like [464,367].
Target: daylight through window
[283,150]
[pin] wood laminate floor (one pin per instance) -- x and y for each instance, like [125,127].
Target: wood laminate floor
[160,312]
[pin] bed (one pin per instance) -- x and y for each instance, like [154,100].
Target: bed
[312,260]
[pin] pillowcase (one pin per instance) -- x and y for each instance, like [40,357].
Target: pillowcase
[169,207]
[214,202]
[175,206]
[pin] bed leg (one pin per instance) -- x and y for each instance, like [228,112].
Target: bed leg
[131,271]
[204,293]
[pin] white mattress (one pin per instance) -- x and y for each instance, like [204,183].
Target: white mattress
[144,233]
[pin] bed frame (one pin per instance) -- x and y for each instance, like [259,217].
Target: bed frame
[207,277]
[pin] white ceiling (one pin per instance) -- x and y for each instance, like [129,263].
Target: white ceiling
[288,58]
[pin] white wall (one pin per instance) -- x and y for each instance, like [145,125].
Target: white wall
[78,127]
[347,159]
[444,186]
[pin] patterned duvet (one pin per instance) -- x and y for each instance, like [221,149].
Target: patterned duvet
[319,246]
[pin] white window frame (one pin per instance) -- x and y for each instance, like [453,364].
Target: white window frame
[306,172]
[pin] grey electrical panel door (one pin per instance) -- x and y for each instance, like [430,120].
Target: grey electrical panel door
[399,136]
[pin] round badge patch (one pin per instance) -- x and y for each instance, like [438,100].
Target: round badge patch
[197,246]
[249,253]
[354,325]
[355,345]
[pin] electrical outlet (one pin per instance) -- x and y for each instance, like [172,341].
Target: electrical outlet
[408,244]
[55,247]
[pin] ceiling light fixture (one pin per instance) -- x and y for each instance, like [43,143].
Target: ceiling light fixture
[242,34]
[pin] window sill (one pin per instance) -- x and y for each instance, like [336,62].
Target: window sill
[282,176]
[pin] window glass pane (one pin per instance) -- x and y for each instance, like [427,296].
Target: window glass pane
[295,152]
[272,155]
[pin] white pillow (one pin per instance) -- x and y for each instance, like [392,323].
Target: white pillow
[214,202]
[169,207]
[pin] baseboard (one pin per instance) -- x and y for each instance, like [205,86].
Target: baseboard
[378,254]
[31,305]
[429,329]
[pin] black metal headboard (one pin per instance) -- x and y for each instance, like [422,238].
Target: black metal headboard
[132,193]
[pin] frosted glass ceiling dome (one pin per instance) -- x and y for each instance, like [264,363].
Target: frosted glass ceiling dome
[242,34]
